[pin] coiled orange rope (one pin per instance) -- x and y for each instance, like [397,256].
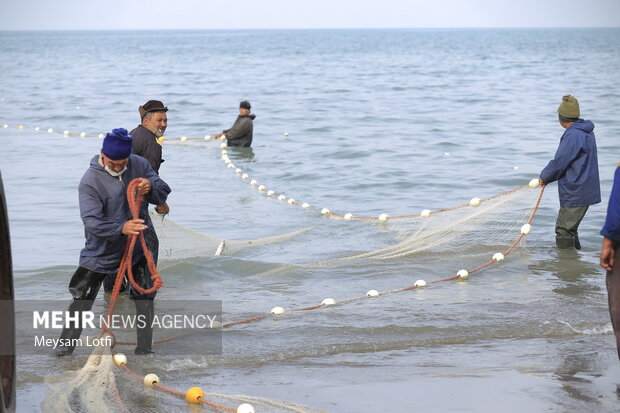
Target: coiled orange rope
[125,268]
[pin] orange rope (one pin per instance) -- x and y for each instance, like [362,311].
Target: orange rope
[134,198]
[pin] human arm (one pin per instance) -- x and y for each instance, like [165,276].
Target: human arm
[240,128]
[611,229]
[568,150]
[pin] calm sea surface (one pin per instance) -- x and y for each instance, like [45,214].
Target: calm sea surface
[366,122]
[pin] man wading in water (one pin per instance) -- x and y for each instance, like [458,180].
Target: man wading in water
[107,223]
[575,167]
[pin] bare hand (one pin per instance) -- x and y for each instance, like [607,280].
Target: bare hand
[133,226]
[608,254]
[540,182]
[219,135]
[144,187]
[162,209]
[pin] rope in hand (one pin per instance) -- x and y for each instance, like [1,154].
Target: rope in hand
[134,200]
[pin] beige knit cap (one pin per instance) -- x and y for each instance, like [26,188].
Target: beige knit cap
[569,108]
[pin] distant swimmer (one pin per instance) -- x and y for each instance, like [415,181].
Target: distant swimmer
[610,252]
[240,134]
[575,167]
[107,222]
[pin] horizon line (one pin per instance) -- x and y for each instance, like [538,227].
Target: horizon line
[316,28]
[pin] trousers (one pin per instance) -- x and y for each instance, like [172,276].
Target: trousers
[569,218]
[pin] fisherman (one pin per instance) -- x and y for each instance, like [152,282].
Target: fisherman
[107,222]
[240,134]
[609,253]
[145,143]
[575,167]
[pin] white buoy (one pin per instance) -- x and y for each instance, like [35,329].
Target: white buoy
[498,256]
[328,301]
[65,132]
[215,324]
[261,188]
[462,274]
[305,205]
[372,293]
[245,176]
[238,171]
[474,202]
[420,283]
[446,153]
[348,216]
[515,167]
[83,135]
[425,213]
[183,138]
[525,229]
[285,133]
[270,193]
[224,152]
[101,135]
[277,310]
[230,165]
[37,128]
[223,145]
[281,198]
[50,130]
[77,107]
[119,358]
[325,211]
[253,182]
[245,408]
[384,217]
[534,183]
[151,379]
[5,126]
[290,201]
[207,137]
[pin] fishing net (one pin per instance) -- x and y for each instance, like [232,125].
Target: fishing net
[461,237]
[101,386]
[178,244]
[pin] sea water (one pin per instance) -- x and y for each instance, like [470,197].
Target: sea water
[358,121]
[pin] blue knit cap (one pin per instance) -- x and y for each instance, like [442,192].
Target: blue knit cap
[117,144]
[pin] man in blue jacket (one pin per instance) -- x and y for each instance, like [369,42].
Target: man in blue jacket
[575,167]
[609,252]
[107,222]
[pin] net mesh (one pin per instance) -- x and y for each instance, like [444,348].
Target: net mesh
[441,242]
[101,386]
[466,233]
[178,244]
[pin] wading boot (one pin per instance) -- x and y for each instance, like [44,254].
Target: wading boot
[145,310]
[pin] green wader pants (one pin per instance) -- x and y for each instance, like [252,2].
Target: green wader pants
[566,226]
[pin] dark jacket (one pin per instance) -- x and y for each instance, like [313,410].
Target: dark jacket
[241,132]
[611,229]
[575,166]
[104,211]
[145,144]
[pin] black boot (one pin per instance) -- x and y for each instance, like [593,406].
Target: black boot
[70,335]
[145,310]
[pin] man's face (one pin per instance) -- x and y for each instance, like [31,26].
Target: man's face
[116,166]
[243,111]
[156,124]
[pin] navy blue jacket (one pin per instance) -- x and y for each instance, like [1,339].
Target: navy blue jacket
[104,211]
[611,229]
[575,166]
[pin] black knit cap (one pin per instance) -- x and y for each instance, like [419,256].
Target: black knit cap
[245,105]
